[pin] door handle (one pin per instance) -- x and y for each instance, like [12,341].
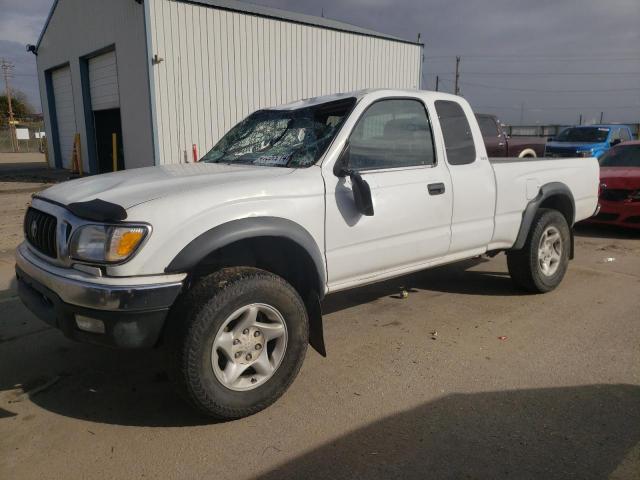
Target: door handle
[436,188]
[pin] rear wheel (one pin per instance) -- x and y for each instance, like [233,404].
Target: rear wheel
[542,263]
[236,341]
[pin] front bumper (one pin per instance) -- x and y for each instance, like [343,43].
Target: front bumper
[624,214]
[132,310]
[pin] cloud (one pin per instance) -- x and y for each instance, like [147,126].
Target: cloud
[514,52]
[509,44]
[20,23]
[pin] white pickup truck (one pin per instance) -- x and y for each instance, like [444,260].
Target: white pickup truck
[225,262]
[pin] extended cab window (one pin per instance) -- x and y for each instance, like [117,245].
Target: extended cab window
[456,130]
[392,133]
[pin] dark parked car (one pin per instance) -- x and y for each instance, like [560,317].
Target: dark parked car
[620,186]
[499,144]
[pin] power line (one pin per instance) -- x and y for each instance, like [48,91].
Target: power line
[523,58]
[515,89]
[591,74]
[533,109]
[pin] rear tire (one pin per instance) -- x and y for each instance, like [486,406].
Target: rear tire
[236,341]
[541,264]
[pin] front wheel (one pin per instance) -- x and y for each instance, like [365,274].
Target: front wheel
[237,340]
[542,263]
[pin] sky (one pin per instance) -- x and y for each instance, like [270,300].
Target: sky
[528,61]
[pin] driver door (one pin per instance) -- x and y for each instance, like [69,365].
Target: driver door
[392,148]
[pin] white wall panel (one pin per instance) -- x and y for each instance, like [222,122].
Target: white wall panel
[221,65]
[65,112]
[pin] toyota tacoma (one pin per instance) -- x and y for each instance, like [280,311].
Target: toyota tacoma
[225,262]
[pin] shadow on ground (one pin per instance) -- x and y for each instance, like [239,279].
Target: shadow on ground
[31,172]
[588,230]
[130,388]
[557,433]
[454,278]
[92,383]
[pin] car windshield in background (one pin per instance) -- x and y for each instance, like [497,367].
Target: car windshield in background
[628,156]
[583,134]
[282,138]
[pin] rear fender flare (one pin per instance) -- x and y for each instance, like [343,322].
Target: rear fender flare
[546,191]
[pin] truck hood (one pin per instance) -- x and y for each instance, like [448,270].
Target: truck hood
[134,187]
[621,177]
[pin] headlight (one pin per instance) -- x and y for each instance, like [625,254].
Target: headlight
[106,243]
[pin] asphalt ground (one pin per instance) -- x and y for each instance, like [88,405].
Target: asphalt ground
[511,385]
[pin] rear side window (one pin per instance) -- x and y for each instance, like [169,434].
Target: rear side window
[391,134]
[456,130]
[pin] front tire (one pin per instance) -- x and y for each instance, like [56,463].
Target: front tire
[541,264]
[236,341]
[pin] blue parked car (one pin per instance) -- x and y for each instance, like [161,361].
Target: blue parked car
[587,141]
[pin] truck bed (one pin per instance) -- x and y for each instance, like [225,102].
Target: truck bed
[518,181]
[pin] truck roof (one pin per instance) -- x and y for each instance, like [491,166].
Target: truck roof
[358,94]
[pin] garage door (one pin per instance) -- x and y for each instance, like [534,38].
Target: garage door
[103,82]
[65,113]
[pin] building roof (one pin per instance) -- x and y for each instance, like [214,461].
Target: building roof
[275,13]
[259,10]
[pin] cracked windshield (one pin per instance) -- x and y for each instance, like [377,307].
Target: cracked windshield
[282,138]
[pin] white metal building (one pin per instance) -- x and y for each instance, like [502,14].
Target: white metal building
[165,75]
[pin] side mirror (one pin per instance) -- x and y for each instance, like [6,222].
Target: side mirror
[359,186]
[361,194]
[550,139]
[615,142]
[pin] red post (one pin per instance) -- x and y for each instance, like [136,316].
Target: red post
[194,148]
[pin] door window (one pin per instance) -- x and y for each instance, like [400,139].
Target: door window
[456,131]
[615,135]
[624,135]
[391,134]
[487,126]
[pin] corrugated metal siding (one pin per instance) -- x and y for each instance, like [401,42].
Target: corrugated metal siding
[219,66]
[103,82]
[65,112]
[79,28]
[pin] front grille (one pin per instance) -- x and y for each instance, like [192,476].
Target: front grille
[40,231]
[615,194]
[606,217]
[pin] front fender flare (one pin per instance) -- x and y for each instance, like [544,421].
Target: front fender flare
[245,228]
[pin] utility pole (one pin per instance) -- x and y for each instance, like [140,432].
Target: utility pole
[601,117]
[580,120]
[437,82]
[456,89]
[6,68]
